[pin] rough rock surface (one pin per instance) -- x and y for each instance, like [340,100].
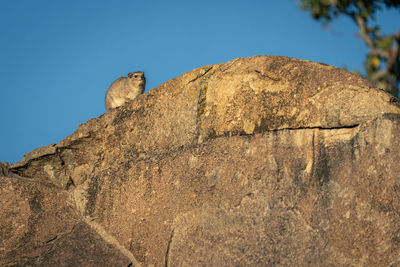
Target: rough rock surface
[39,226]
[261,160]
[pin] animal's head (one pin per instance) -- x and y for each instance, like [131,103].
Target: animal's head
[137,75]
[137,80]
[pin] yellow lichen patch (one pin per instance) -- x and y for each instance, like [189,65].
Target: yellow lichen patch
[248,127]
[49,170]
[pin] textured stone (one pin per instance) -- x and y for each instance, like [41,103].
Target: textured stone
[39,226]
[259,161]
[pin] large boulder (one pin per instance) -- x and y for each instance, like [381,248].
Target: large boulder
[259,161]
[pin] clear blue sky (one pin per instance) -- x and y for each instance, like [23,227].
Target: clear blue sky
[57,58]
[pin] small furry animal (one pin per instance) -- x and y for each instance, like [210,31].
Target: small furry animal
[125,89]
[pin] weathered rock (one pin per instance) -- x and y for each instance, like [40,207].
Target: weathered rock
[39,226]
[243,96]
[333,202]
[262,160]
[269,93]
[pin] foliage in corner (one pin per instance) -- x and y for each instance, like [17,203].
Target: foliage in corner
[382,64]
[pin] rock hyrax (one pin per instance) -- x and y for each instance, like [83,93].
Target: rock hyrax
[125,89]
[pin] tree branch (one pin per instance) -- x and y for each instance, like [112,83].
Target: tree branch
[364,35]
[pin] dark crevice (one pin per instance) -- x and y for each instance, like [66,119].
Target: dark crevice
[320,128]
[168,248]
[51,240]
[58,153]
[202,75]
[227,65]
[70,184]
[24,163]
[259,130]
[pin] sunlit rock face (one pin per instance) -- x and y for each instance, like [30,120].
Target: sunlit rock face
[258,161]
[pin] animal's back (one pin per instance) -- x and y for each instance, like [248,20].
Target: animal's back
[115,95]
